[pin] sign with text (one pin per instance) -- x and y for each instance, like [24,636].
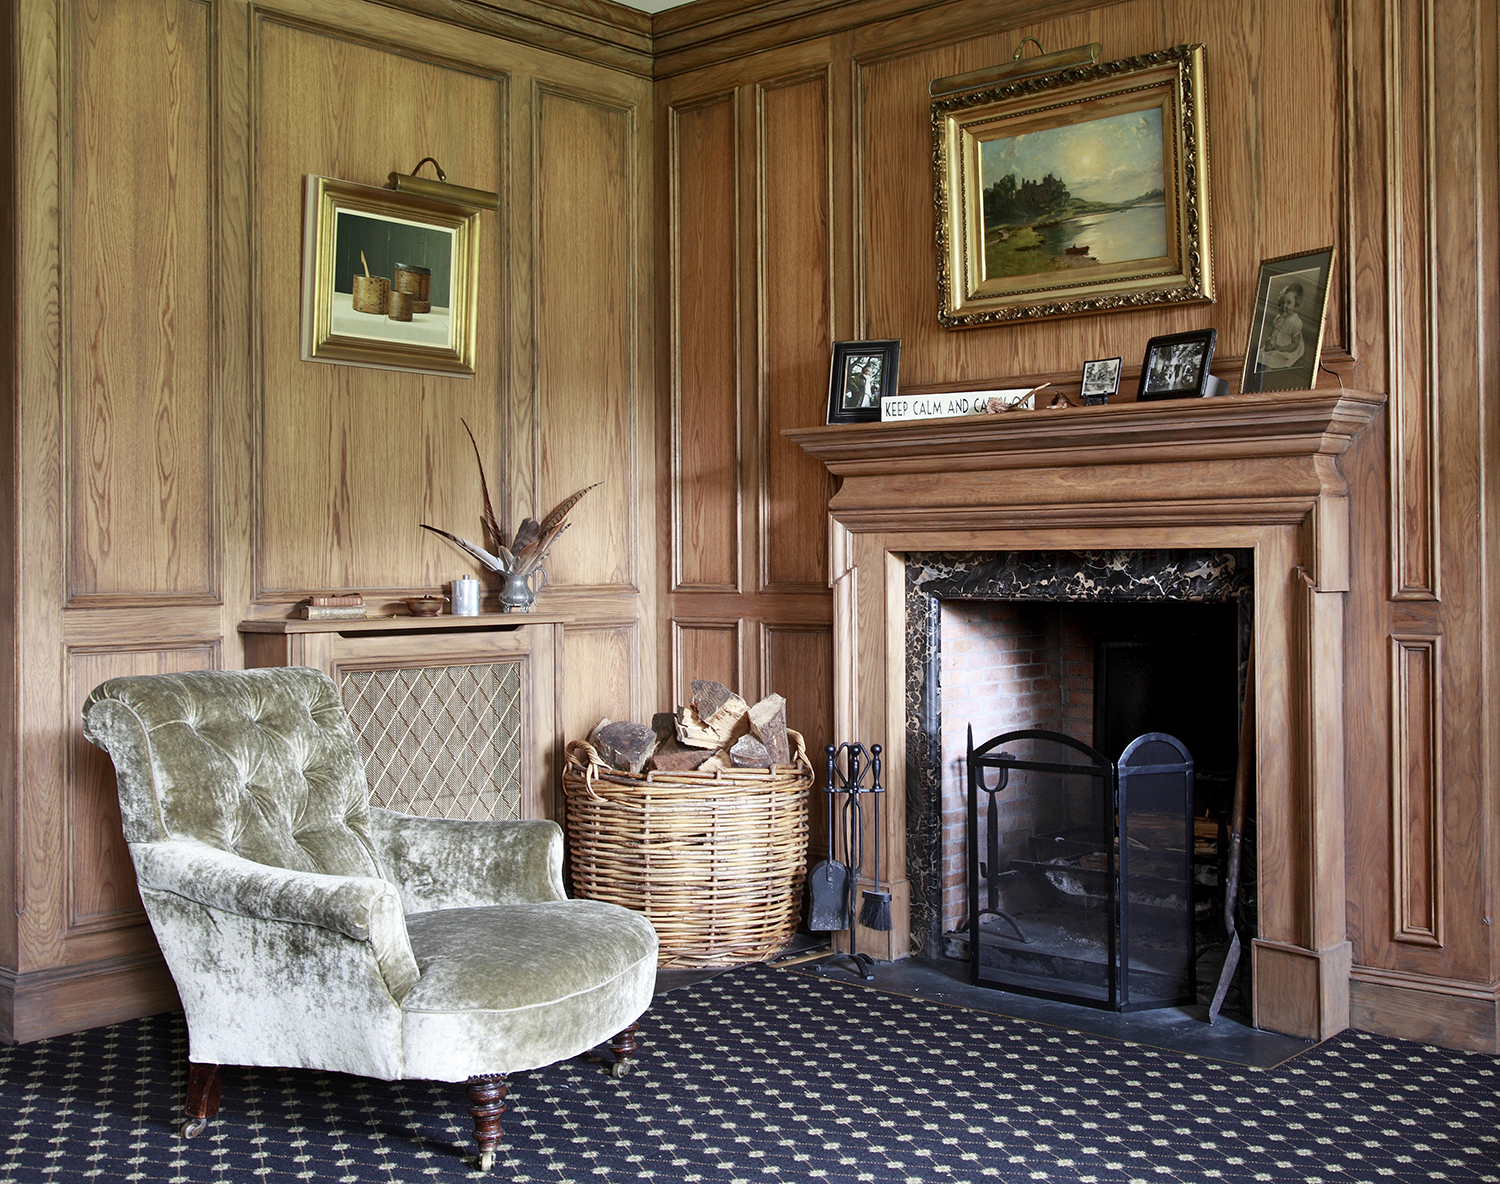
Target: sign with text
[952,406]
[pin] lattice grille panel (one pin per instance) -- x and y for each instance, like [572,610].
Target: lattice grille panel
[440,741]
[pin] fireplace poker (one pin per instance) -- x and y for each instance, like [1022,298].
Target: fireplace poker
[1242,774]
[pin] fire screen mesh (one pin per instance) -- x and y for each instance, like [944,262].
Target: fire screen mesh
[440,741]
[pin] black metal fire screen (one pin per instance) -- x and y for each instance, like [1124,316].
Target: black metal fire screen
[1084,891]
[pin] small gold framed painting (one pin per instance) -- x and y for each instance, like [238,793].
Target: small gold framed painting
[1080,191]
[389,280]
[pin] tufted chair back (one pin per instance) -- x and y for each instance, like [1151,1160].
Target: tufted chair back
[261,763]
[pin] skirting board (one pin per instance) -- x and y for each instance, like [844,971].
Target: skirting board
[1445,1012]
[41,1003]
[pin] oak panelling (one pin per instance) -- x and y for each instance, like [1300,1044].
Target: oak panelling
[586,294]
[10,399]
[1255,81]
[706,649]
[100,880]
[796,662]
[1410,79]
[706,469]
[139,273]
[601,677]
[352,459]
[1417,790]
[795,316]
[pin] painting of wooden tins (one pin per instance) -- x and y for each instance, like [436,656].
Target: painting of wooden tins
[401,303]
[417,282]
[371,293]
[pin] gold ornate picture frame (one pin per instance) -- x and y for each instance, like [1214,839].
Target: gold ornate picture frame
[389,280]
[1082,191]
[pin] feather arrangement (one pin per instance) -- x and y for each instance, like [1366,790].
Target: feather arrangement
[532,540]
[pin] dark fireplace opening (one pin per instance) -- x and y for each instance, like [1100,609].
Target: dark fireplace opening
[1102,647]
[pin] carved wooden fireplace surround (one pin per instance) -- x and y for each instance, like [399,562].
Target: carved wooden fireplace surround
[1246,471]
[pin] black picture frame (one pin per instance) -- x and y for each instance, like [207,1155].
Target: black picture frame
[1176,365]
[1100,380]
[1286,330]
[853,393]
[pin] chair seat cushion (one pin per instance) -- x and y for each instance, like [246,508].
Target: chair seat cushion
[510,987]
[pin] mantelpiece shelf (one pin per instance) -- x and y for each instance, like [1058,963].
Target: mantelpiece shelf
[401,623]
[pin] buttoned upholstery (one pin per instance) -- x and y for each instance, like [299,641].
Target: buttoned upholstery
[305,929]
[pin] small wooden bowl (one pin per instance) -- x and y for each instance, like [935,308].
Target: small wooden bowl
[425,606]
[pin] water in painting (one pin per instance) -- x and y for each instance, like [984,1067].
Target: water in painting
[1075,196]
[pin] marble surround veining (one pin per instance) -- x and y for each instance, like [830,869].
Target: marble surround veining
[1036,576]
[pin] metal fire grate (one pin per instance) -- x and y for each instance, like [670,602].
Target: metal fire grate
[440,741]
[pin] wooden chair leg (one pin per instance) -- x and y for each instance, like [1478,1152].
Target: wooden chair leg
[623,1045]
[205,1084]
[487,1104]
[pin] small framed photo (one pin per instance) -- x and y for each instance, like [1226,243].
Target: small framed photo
[1101,378]
[862,373]
[1176,366]
[1286,330]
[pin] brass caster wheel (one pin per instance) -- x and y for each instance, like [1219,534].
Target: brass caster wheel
[619,1068]
[193,1127]
[486,1160]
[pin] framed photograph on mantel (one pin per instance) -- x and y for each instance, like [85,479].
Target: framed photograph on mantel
[861,374]
[1176,366]
[1082,191]
[1286,330]
[389,280]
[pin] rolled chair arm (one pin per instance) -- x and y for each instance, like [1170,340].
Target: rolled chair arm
[359,907]
[443,863]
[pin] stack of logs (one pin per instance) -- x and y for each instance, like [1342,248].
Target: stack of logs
[715,730]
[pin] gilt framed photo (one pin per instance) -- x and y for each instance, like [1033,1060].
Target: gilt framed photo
[1176,366]
[1082,191]
[1101,379]
[389,280]
[862,373]
[1286,329]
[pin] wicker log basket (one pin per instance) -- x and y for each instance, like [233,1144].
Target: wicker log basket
[716,861]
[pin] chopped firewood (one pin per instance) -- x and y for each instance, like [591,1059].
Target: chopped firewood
[693,731]
[625,746]
[768,724]
[714,763]
[709,698]
[664,723]
[749,753]
[672,757]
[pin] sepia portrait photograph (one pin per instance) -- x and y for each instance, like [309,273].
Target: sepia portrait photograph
[1286,330]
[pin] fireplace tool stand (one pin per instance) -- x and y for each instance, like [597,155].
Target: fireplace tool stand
[846,790]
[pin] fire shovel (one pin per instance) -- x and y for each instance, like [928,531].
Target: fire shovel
[828,882]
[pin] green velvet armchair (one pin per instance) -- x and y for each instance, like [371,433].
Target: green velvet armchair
[306,929]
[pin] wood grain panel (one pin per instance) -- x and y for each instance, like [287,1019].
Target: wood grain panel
[705,337]
[352,459]
[101,882]
[585,207]
[1410,241]
[1254,82]
[797,663]
[601,677]
[139,274]
[706,649]
[1417,790]
[795,325]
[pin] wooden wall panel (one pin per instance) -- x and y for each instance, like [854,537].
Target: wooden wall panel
[1417,790]
[352,459]
[139,275]
[600,677]
[797,663]
[100,880]
[586,297]
[795,325]
[706,649]
[1410,79]
[1256,181]
[706,471]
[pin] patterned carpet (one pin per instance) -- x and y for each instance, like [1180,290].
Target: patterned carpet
[761,1076]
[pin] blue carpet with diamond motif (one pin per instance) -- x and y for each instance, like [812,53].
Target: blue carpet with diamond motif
[760,1076]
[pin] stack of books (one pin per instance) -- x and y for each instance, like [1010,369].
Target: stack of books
[333,606]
